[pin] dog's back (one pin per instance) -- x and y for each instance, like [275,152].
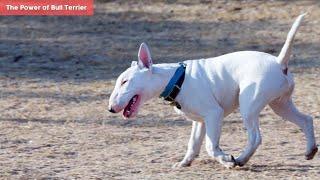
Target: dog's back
[230,74]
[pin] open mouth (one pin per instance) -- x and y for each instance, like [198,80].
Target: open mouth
[132,106]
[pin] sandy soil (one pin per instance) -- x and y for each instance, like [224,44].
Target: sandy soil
[56,74]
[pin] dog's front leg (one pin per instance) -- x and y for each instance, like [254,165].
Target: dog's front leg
[197,135]
[213,130]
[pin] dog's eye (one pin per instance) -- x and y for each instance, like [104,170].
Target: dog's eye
[123,82]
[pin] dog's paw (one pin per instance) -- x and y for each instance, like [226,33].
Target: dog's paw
[240,162]
[312,153]
[181,164]
[227,161]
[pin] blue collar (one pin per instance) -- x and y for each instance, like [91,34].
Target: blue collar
[173,87]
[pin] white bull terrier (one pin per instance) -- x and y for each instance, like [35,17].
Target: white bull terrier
[207,90]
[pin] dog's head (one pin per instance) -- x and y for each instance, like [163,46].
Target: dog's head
[134,86]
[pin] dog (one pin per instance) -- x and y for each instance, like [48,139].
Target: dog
[207,90]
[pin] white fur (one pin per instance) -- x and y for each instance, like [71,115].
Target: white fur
[284,55]
[215,87]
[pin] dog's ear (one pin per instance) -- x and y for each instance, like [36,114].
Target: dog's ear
[144,57]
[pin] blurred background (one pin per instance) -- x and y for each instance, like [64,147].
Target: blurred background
[56,74]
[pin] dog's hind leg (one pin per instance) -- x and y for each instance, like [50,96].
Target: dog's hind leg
[196,138]
[251,122]
[251,102]
[287,110]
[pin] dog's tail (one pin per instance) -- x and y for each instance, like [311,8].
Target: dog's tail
[284,55]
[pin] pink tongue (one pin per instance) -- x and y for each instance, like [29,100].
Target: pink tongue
[127,111]
[130,107]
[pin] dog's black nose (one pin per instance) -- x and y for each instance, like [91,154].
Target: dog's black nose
[111,110]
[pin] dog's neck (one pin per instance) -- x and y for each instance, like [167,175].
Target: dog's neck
[162,74]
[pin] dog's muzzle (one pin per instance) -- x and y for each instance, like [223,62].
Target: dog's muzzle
[112,110]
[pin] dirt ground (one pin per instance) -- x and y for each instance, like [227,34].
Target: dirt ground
[56,74]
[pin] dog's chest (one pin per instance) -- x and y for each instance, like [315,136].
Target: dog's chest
[188,115]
